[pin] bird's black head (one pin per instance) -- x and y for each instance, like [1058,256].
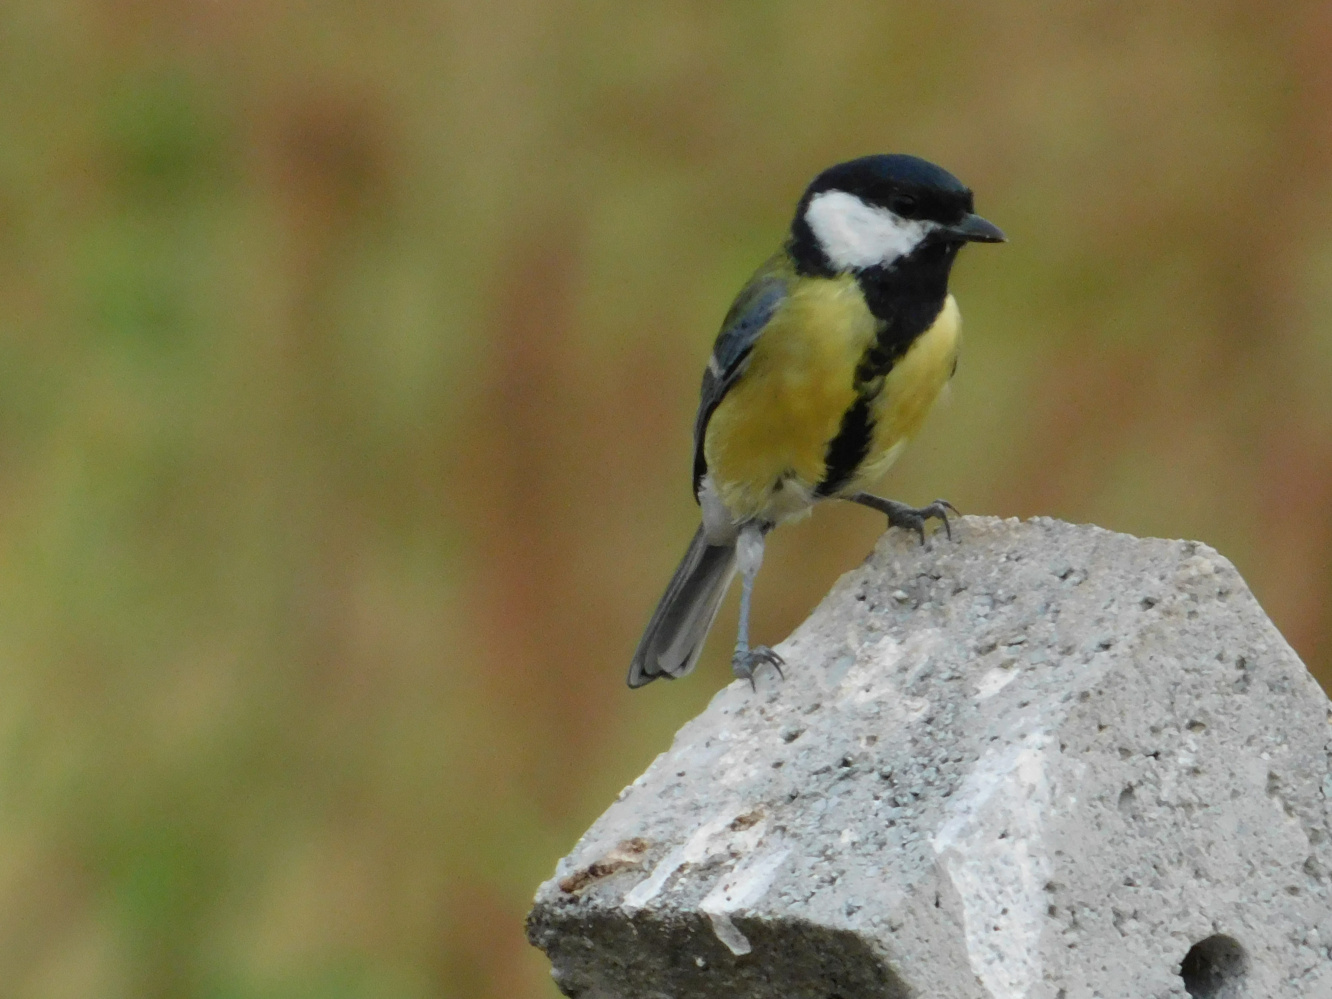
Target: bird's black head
[875,211]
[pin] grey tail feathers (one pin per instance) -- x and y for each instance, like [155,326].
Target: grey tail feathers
[674,638]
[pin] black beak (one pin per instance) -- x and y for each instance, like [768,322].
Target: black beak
[974,229]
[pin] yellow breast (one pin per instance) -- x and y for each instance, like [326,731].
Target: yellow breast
[909,391]
[767,439]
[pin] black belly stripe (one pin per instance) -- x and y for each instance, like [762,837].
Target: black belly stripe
[906,299]
[848,449]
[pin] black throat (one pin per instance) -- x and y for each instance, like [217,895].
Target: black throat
[906,297]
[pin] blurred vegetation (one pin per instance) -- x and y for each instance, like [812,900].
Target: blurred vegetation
[348,357]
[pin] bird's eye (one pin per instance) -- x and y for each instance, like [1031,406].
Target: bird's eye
[903,204]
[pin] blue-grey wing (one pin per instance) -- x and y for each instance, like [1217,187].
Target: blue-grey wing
[751,311]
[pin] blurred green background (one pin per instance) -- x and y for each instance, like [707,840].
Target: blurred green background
[348,359]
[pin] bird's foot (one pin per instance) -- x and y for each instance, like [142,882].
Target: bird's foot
[746,662]
[910,517]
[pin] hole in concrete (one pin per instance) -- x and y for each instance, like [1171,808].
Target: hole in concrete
[1214,968]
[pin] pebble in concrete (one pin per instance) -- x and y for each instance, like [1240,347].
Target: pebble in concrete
[1041,761]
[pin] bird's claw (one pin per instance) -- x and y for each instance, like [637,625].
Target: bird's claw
[745,663]
[914,518]
[910,517]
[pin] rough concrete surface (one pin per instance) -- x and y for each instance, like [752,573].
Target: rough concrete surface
[1040,760]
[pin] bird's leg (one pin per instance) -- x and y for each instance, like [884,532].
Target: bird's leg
[749,554]
[910,517]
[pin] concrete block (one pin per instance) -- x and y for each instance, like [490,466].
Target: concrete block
[1040,761]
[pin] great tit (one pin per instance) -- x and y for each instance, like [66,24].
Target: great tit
[825,366]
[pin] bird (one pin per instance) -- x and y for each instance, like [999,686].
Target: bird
[825,366]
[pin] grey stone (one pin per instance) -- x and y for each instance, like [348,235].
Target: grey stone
[1069,764]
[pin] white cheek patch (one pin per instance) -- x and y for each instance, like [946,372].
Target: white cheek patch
[855,234]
